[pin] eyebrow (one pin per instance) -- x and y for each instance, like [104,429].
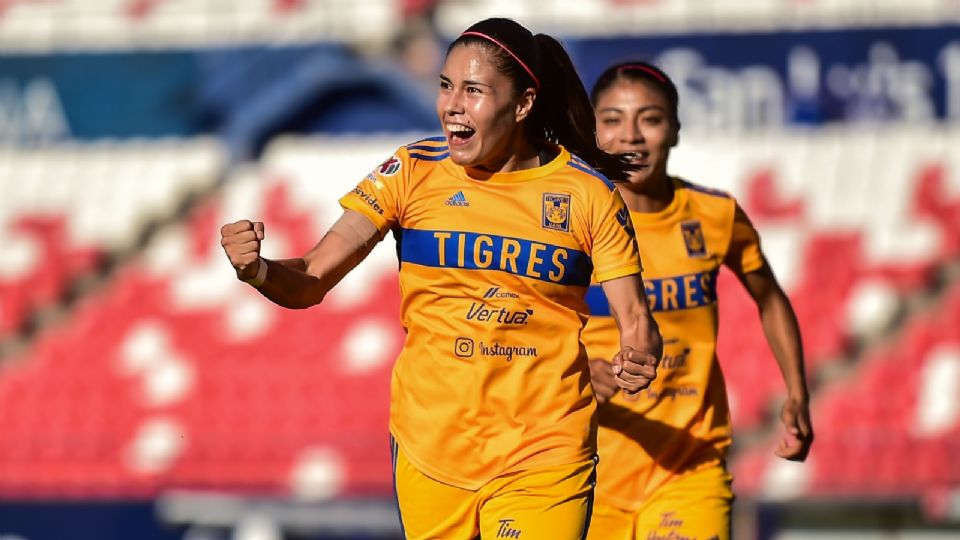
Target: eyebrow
[645,108]
[467,82]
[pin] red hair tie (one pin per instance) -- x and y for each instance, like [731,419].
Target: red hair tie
[529,71]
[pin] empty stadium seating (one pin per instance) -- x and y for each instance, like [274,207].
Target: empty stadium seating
[848,247]
[888,428]
[65,208]
[176,375]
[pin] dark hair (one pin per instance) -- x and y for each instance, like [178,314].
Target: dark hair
[562,112]
[639,71]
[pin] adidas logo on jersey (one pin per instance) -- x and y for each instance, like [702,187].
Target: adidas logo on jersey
[457,200]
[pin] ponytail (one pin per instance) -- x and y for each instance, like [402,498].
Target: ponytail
[563,112]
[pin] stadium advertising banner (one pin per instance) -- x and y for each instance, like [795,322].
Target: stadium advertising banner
[769,80]
[726,81]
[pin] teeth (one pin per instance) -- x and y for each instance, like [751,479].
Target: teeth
[457,128]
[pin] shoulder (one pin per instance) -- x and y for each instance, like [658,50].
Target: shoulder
[700,191]
[714,206]
[429,149]
[593,177]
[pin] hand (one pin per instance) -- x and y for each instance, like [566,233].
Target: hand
[634,370]
[798,431]
[604,382]
[241,243]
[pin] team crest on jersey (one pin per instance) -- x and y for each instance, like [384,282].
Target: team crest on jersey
[693,239]
[389,167]
[556,212]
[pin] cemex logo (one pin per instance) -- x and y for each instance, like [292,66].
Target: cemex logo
[495,292]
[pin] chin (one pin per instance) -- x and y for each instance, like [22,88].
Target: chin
[462,161]
[464,158]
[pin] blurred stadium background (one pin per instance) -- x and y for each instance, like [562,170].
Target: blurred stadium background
[146,394]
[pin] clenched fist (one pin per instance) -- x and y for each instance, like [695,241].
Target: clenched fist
[603,380]
[634,370]
[241,243]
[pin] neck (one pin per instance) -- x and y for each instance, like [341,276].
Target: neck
[523,155]
[650,196]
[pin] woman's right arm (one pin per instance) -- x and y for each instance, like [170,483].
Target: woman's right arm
[303,282]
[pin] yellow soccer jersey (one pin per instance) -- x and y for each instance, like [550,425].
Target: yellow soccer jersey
[680,423]
[494,268]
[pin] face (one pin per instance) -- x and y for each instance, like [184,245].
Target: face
[633,117]
[479,110]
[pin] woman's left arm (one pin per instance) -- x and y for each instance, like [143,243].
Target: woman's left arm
[783,335]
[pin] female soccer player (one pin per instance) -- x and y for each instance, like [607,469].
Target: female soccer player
[500,224]
[662,471]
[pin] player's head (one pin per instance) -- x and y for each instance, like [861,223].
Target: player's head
[636,106]
[501,86]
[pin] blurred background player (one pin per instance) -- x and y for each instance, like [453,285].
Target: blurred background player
[498,228]
[662,465]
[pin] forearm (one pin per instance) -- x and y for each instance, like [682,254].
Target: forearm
[783,335]
[304,282]
[639,330]
[287,284]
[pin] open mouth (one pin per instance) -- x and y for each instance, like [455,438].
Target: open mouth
[639,159]
[459,133]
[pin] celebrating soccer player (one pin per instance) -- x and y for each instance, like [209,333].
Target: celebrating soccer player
[500,224]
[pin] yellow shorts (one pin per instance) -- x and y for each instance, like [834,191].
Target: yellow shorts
[551,503]
[695,506]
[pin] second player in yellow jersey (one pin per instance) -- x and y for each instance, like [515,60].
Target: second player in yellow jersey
[662,470]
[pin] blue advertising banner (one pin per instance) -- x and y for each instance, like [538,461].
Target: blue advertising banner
[244,94]
[768,80]
[44,98]
[82,521]
[247,94]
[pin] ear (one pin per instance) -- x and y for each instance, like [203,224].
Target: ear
[525,104]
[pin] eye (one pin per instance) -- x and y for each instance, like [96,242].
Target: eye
[654,120]
[445,85]
[610,121]
[473,90]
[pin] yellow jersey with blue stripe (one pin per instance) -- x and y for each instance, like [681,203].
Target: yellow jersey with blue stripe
[681,422]
[494,268]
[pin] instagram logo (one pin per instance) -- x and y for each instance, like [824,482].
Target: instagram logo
[463,347]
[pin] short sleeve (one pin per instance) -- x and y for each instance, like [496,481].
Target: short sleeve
[379,195]
[615,252]
[744,254]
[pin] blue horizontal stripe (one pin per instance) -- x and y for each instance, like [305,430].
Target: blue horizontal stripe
[436,157]
[438,138]
[428,148]
[597,302]
[665,294]
[477,251]
[589,170]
